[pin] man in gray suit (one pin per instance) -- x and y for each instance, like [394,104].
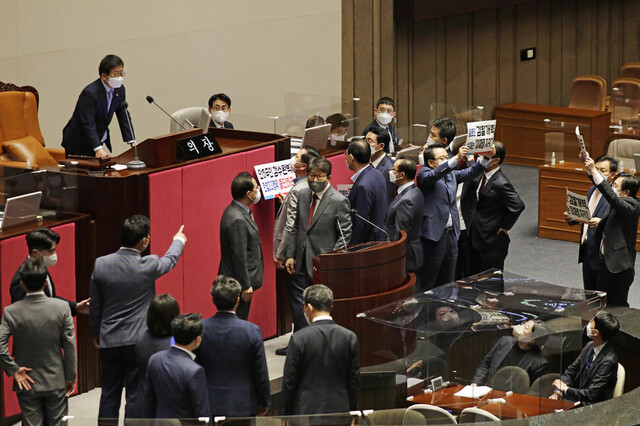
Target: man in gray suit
[241,253]
[44,350]
[122,287]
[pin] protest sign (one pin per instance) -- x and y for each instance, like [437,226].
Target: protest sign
[480,136]
[578,207]
[275,179]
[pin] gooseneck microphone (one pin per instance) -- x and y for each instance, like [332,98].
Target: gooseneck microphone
[136,163]
[151,101]
[341,233]
[354,213]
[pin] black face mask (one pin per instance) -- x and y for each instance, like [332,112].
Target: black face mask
[316,186]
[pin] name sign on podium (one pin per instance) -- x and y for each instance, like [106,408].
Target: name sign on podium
[197,147]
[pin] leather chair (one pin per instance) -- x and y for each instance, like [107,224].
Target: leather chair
[588,92]
[619,389]
[625,100]
[543,386]
[395,416]
[623,149]
[476,415]
[630,70]
[21,140]
[433,414]
[510,378]
[182,115]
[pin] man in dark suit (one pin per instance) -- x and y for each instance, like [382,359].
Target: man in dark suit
[438,182]
[322,224]
[592,377]
[88,127]
[442,131]
[42,244]
[521,350]
[378,141]
[323,363]
[385,113]
[232,354]
[44,351]
[589,251]
[616,233]
[405,211]
[490,208]
[241,253]
[122,287]
[219,108]
[368,195]
[176,384]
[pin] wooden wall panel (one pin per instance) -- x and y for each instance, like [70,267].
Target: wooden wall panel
[568,52]
[631,31]
[456,60]
[506,55]
[555,60]
[526,71]
[543,51]
[484,58]
[584,31]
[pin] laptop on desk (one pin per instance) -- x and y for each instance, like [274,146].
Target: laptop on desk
[19,210]
[316,137]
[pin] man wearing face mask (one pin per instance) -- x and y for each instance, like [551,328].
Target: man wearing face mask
[616,233]
[123,284]
[441,223]
[378,141]
[88,128]
[385,113]
[240,249]
[592,377]
[219,108]
[588,253]
[522,349]
[42,244]
[339,129]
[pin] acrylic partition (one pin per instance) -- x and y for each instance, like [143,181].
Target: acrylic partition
[495,340]
[59,191]
[624,105]
[561,142]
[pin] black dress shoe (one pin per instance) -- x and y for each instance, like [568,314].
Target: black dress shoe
[282,351]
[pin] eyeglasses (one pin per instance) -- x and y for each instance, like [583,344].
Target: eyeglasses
[316,177]
[442,157]
[117,74]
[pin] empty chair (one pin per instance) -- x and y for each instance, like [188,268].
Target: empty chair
[434,415]
[619,389]
[588,92]
[625,100]
[630,70]
[476,415]
[623,149]
[543,386]
[182,115]
[510,378]
[395,416]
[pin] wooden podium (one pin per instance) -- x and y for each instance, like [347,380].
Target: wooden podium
[363,277]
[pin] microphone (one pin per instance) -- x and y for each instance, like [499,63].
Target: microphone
[151,101]
[136,163]
[354,213]
[341,233]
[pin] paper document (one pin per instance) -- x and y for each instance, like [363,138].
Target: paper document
[119,166]
[580,140]
[473,391]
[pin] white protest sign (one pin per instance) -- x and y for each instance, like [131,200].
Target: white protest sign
[480,136]
[344,189]
[578,207]
[275,178]
[580,139]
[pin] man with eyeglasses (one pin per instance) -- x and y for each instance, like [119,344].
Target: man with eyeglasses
[87,132]
[219,108]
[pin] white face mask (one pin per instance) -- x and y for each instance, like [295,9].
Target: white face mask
[115,82]
[220,116]
[292,164]
[392,177]
[384,118]
[50,260]
[589,334]
[421,159]
[373,150]
[431,141]
[337,138]
[258,196]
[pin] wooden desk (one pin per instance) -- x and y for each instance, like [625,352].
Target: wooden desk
[515,405]
[521,127]
[552,200]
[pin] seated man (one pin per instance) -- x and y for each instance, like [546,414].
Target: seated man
[593,375]
[521,350]
[219,108]
[339,127]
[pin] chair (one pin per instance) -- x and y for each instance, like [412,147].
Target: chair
[182,115]
[630,70]
[396,416]
[625,100]
[619,389]
[21,140]
[476,415]
[433,414]
[588,92]
[510,378]
[623,149]
[543,386]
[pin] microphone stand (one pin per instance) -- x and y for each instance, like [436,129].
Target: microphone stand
[136,163]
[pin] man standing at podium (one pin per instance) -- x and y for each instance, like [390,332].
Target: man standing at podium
[88,128]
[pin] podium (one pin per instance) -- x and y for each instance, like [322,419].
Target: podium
[363,277]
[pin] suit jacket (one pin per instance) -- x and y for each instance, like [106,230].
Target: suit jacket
[286,219]
[241,253]
[618,227]
[439,187]
[42,328]
[323,235]
[389,128]
[232,354]
[18,293]
[405,214]
[532,362]
[590,250]
[383,167]
[91,119]
[368,196]
[321,370]
[227,125]
[176,387]
[597,383]
[146,345]
[122,287]
[496,206]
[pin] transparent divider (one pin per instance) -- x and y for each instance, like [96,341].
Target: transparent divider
[301,107]
[561,142]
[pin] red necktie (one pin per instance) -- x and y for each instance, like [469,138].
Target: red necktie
[312,208]
[484,182]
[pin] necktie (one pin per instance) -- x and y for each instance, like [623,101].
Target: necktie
[483,183]
[589,361]
[109,98]
[312,208]
[593,202]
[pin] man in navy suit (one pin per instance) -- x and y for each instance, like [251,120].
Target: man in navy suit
[592,377]
[385,113]
[88,127]
[176,384]
[368,195]
[405,211]
[232,354]
[219,108]
[378,140]
[438,182]
[588,253]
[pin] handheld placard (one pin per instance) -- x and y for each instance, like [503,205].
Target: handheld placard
[580,140]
